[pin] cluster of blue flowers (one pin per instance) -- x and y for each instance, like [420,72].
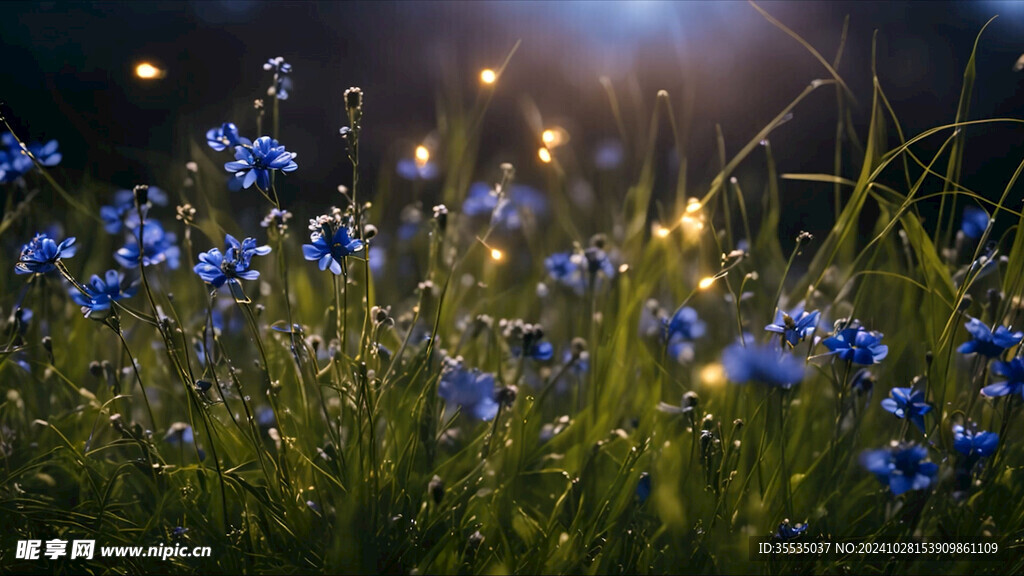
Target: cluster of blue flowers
[16,161]
[96,297]
[254,161]
[901,467]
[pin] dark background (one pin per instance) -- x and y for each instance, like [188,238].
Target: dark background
[68,74]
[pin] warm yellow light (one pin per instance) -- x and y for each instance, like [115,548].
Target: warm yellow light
[544,154]
[691,224]
[548,137]
[706,282]
[662,232]
[692,205]
[147,71]
[422,156]
[712,374]
[488,76]
[496,254]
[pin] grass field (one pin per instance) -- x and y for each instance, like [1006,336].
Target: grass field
[516,377]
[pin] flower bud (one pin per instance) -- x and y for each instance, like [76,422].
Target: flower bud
[436,489]
[690,401]
[506,395]
[354,99]
[441,215]
[141,194]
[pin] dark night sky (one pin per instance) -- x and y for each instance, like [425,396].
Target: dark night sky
[68,73]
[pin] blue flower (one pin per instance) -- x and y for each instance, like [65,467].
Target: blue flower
[41,254]
[282,83]
[15,162]
[908,403]
[582,364]
[331,254]
[1014,372]
[480,200]
[412,169]
[278,66]
[599,262]
[265,417]
[575,270]
[179,433]
[113,218]
[100,292]
[471,389]
[763,364]
[974,223]
[974,444]
[46,154]
[157,247]
[986,342]
[679,331]
[685,324]
[857,345]
[122,213]
[795,326]
[225,136]
[566,268]
[507,211]
[276,218]
[789,531]
[608,154]
[643,487]
[901,468]
[253,164]
[216,268]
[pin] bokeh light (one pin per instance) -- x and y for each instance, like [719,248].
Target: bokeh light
[147,71]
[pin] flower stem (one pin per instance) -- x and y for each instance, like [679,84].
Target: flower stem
[135,368]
